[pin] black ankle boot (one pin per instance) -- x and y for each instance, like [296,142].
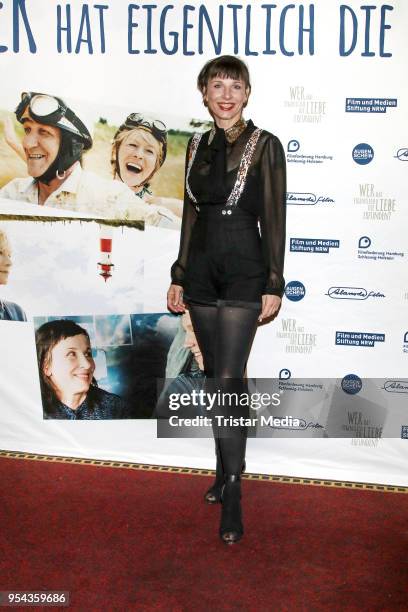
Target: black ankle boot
[231,528]
[213,495]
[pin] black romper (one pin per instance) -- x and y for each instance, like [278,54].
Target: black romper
[223,260]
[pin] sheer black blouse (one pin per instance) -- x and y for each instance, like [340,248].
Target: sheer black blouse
[264,195]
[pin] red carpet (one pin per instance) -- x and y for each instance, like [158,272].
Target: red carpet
[120,539]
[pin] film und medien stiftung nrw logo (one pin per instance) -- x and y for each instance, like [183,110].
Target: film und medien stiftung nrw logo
[364,251]
[348,338]
[307,198]
[352,293]
[313,245]
[405,343]
[370,105]
[293,155]
[295,291]
[351,384]
[402,154]
[363,153]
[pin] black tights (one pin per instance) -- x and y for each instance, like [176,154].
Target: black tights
[225,335]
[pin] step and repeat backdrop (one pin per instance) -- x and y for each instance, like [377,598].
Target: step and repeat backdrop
[97,104]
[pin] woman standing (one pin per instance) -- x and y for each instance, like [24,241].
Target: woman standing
[230,276]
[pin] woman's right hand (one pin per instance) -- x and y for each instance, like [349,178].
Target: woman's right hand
[175,299]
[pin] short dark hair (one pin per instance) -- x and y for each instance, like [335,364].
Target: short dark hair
[46,337]
[228,66]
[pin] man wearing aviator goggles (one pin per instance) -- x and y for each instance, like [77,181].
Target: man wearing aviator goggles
[53,143]
[51,110]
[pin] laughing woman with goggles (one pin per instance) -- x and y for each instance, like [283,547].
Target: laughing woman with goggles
[139,150]
[53,143]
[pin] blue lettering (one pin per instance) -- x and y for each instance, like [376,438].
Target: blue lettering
[66,28]
[367,52]
[131,25]
[342,45]
[19,8]
[204,16]
[186,27]
[101,8]
[3,48]
[268,8]
[282,30]
[302,29]
[248,32]
[235,8]
[84,24]
[162,32]
[149,8]
[384,26]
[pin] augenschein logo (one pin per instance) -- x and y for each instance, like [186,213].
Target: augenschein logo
[295,291]
[305,198]
[351,384]
[304,158]
[363,154]
[352,293]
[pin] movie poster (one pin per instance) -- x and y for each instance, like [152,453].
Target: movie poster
[97,105]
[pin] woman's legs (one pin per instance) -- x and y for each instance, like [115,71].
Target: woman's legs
[225,335]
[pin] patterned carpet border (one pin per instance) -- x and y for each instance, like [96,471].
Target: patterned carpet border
[339,484]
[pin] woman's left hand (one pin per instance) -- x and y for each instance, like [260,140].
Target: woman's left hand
[270,307]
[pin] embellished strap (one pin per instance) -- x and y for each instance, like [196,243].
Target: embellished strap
[243,168]
[195,141]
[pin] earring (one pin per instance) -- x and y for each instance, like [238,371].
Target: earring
[60,176]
